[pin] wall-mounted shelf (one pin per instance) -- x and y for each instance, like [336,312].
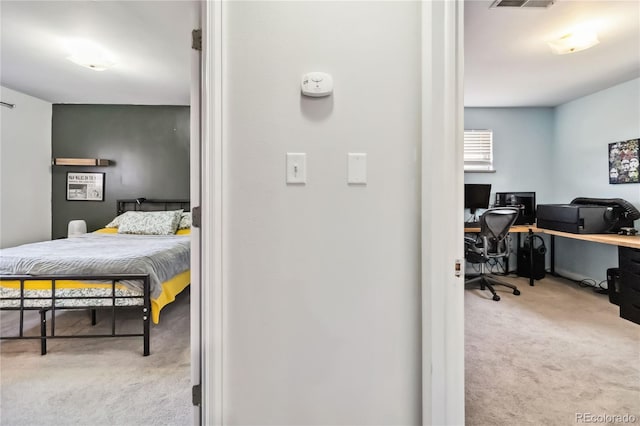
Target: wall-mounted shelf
[80,162]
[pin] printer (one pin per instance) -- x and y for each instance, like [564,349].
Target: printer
[587,216]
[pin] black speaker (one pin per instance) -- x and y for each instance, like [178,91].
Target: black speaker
[524,258]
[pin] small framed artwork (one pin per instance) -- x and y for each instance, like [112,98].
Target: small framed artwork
[624,161]
[85,186]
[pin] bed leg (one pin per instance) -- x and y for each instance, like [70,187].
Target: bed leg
[43,332]
[93,317]
[146,312]
[145,325]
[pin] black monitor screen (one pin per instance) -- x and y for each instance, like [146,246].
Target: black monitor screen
[476,196]
[525,200]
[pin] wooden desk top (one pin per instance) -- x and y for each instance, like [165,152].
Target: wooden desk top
[632,241]
[516,228]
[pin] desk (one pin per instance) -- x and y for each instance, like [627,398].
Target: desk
[513,229]
[631,241]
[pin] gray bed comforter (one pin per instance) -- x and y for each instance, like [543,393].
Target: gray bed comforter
[160,256]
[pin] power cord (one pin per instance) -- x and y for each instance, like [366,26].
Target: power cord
[588,282]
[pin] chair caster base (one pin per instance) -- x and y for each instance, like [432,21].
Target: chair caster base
[516,292]
[496,297]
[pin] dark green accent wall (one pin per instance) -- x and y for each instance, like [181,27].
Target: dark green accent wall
[147,145]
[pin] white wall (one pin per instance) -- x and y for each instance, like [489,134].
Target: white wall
[562,153]
[25,169]
[522,141]
[579,159]
[322,286]
[522,144]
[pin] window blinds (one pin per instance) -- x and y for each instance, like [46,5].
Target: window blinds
[478,150]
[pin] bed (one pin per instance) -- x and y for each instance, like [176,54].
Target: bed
[140,260]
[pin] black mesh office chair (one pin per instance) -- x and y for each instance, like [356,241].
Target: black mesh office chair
[491,243]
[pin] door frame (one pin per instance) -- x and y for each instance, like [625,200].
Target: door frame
[212,232]
[442,234]
[441,160]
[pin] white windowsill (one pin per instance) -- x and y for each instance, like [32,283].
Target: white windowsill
[479,171]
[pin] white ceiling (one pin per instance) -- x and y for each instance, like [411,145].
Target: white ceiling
[507,61]
[150,40]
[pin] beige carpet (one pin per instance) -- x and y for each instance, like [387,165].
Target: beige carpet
[540,358]
[98,381]
[548,356]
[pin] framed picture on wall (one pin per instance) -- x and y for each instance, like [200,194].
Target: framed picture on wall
[85,186]
[624,161]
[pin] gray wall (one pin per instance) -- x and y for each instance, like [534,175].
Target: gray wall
[149,146]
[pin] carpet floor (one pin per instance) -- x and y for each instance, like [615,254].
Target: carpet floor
[98,381]
[548,356]
[558,354]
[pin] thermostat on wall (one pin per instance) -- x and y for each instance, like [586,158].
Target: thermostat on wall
[317,84]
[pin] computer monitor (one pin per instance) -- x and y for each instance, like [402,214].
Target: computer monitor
[526,201]
[476,196]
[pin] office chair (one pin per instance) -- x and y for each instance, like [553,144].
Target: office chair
[491,243]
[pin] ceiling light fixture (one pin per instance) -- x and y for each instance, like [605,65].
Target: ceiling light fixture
[89,54]
[574,42]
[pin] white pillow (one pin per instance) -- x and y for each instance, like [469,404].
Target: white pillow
[185,221]
[116,222]
[150,223]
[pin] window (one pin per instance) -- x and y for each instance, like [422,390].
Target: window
[478,151]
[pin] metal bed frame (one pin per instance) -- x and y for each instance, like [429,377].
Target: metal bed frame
[139,204]
[112,297]
[142,204]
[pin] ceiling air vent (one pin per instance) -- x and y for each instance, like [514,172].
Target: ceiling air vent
[522,3]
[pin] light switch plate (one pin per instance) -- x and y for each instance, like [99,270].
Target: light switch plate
[357,168]
[296,167]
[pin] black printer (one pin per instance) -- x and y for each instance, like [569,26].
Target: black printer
[587,216]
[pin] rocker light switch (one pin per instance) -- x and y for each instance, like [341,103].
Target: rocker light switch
[357,168]
[296,167]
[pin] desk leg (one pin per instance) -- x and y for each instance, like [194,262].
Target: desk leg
[553,255]
[531,281]
[506,264]
[518,248]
